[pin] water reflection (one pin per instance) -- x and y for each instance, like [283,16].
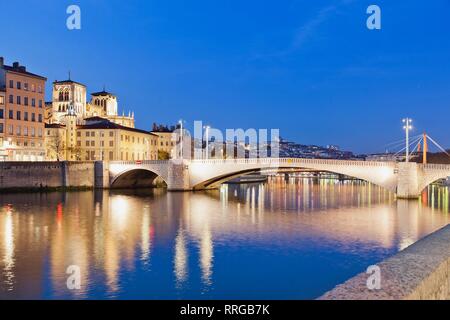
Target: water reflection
[291,238]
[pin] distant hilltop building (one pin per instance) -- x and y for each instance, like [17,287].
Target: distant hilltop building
[70,97]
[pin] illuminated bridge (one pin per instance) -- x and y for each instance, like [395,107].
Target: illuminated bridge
[407,180]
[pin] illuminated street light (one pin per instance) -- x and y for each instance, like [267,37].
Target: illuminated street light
[181,137]
[407,127]
[207,140]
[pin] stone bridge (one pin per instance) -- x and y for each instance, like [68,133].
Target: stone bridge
[407,180]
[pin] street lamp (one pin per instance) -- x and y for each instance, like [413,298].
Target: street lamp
[207,140]
[407,127]
[181,137]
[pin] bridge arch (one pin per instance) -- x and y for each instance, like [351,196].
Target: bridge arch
[433,173]
[136,178]
[210,174]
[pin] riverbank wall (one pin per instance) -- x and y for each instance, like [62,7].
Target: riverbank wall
[420,272]
[24,176]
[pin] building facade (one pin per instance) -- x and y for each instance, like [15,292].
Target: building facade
[98,139]
[70,96]
[23,114]
[67,95]
[3,142]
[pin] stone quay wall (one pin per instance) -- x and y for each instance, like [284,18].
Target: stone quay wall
[46,175]
[420,272]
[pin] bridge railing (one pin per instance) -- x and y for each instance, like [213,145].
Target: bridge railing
[140,162]
[286,161]
[435,166]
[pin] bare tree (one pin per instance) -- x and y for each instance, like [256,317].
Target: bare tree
[56,146]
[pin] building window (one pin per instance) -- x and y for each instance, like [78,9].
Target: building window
[102,143]
[25,116]
[79,143]
[33,131]
[25,131]
[33,102]
[40,103]
[25,86]
[87,143]
[78,134]
[111,144]
[19,85]
[33,88]
[87,133]
[1,114]
[1,127]
[92,133]
[40,132]
[2,100]
[18,117]
[92,143]
[33,117]
[92,155]
[19,100]
[40,117]
[25,101]
[11,98]
[11,84]
[111,133]
[111,155]
[39,89]
[18,132]
[11,114]
[10,129]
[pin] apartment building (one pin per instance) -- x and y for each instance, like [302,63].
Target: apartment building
[22,113]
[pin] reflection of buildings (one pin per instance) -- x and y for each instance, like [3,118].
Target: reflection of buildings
[174,237]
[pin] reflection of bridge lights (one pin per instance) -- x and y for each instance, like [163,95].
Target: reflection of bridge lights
[181,257]
[8,258]
[119,210]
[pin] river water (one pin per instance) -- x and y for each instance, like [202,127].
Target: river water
[291,239]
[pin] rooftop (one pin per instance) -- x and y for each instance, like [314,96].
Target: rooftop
[102,123]
[69,81]
[102,93]
[17,68]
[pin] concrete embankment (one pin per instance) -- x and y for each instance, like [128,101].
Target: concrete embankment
[420,272]
[24,176]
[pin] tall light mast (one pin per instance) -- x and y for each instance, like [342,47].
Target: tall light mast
[407,127]
[207,141]
[181,139]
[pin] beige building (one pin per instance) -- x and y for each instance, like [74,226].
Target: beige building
[70,96]
[22,114]
[166,145]
[99,139]
[3,142]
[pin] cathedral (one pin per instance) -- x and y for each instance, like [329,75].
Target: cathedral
[69,97]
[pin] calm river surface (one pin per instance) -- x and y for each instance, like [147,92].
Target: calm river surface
[281,240]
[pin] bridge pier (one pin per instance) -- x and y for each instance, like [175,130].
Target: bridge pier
[408,180]
[178,177]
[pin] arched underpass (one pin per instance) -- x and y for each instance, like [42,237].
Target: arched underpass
[217,181]
[138,178]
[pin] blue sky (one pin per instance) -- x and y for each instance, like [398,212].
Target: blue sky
[310,68]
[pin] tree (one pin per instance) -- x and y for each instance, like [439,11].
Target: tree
[163,155]
[74,152]
[56,146]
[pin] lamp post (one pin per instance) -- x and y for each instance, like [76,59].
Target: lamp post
[407,127]
[181,138]
[207,141]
